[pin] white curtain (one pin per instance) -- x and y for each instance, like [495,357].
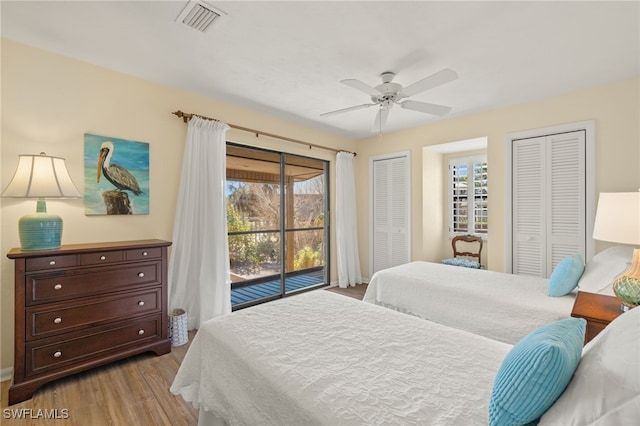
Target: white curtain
[199,280]
[346,222]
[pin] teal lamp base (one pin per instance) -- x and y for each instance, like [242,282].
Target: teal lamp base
[40,230]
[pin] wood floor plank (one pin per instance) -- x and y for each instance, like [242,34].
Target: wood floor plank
[356,292]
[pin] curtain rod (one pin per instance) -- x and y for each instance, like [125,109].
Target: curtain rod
[186,116]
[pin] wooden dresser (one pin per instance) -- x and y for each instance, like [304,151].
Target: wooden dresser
[86,305]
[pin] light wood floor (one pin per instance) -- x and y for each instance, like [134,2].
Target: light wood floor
[356,292]
[134,391]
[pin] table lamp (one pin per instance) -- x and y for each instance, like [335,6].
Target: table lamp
[40,176]
[618,221]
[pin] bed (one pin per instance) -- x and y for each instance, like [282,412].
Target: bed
[323,358]
[493,304]
[320,358]
[500,306]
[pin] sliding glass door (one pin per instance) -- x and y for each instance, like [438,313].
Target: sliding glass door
[304,224]
[278,235]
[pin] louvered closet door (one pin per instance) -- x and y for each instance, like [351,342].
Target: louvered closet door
[549,207]
[567,193]
[390,213]
[528,207]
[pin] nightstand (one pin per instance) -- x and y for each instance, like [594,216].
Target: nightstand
[598,309]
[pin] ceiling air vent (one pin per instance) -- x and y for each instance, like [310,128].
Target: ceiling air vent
[200,16]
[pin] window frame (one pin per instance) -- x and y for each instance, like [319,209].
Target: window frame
[469,161]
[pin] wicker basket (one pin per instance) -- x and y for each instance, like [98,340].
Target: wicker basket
[178,327]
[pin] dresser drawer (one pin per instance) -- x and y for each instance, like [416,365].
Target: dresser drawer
[44,288]
[50,263]
[52,355]
[101,257]
[48,321]
[143,253]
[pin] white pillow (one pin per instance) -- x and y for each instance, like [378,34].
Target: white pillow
[605,389]
[603,268]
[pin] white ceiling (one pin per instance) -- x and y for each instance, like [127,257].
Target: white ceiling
[287,58]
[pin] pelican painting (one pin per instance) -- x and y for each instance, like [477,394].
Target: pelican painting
[116,176]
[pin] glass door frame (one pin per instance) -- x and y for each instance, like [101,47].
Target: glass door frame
[286,190]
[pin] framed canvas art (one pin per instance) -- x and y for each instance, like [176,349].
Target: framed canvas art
[116,176]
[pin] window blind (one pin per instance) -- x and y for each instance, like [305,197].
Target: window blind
[469,195]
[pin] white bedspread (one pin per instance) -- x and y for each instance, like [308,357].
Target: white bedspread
[322,358]
[496,305]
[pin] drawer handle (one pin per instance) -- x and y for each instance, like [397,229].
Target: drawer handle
[103,257]
[141,332]
[141,303]
[57,320]
[144,253]
[57,286]
[141,274]
[53,262]
[57,354]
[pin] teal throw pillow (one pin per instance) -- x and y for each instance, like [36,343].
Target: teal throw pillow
[565,275]
[535,372]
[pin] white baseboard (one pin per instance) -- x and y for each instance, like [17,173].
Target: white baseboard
[6,374]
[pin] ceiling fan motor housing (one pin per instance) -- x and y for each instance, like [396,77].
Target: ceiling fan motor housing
[389,92]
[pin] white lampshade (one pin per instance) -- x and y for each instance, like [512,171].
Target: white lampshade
[41,176]
[618,218]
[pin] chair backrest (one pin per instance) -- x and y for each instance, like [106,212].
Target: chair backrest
[466,239]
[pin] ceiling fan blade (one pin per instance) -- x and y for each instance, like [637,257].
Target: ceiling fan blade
[425,107]
[357,84]
[381,120]
[441,77]
[340,111]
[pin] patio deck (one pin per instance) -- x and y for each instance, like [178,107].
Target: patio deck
[272,288]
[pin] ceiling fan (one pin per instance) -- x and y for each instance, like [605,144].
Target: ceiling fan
[389,93]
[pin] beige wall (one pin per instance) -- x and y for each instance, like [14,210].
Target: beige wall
[615,108]
[49,102]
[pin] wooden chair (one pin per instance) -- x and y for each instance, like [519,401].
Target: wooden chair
[460,257]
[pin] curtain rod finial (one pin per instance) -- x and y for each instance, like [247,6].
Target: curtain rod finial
[185,117]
